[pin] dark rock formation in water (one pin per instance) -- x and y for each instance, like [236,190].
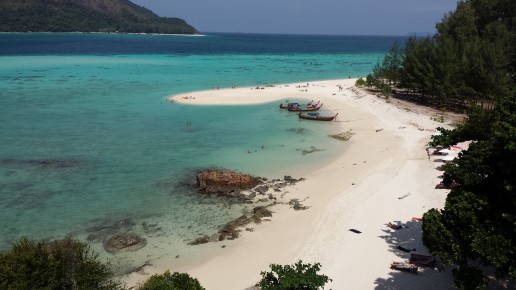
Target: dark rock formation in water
[43,163]
[231,230]
[224,182]
[300,131]
[311,150]
[127,241]
[255,190]
[201,240]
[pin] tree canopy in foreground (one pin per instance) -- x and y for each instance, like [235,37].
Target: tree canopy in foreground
[167,281]
[62,264]
[297,276]
[69,264]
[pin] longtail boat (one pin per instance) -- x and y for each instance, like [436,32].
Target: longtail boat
[292,105]
[305,109]
[317,117]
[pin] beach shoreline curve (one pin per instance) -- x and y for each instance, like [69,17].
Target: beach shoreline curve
[361,189]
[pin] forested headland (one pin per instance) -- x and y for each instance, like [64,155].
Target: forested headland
[121,16]
[469,66]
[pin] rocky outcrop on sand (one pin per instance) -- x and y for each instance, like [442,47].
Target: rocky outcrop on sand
[265,194]
[231,230]
[225,182]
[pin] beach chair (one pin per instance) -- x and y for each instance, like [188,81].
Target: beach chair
[404,266]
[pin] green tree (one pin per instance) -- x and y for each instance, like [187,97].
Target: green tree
[167,281]
[477,226]
[471,61]
[62,264]
[418,70]
[360,82]
[296,277]
[388,73]
[472,58]
[392,64]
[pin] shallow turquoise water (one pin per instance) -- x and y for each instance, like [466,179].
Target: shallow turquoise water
[89,142]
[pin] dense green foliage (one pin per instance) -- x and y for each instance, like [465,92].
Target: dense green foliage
[387,73]
[478,224]
[63,264]
[471,60]
[470,63]
[360,82]
[69,264]
[296,277]
[85,16]
[167,281]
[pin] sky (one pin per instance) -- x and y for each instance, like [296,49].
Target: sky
[341,17]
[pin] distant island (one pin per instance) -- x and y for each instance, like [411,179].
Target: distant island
[120,16]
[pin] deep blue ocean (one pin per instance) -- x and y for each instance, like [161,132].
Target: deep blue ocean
[90,147]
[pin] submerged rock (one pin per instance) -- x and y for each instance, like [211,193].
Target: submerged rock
[301,131]
[343,136]
[264,192]
[128,241]
[311,150]
[43,163]
[201,240]
[138,269]
[231,230]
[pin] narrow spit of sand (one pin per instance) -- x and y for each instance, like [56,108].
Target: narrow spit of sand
[386,175]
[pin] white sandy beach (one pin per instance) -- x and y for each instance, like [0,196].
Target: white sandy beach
[385,176]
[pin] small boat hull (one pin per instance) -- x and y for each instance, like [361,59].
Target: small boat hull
[304,109]
[296,105]
[317,117]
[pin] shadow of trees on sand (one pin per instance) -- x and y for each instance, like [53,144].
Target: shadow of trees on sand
[402,242]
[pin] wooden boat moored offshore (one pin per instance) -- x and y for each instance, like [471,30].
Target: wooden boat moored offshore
[317,117]
[304,109]
[295,105]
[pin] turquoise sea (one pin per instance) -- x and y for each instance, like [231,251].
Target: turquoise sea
[90,147]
